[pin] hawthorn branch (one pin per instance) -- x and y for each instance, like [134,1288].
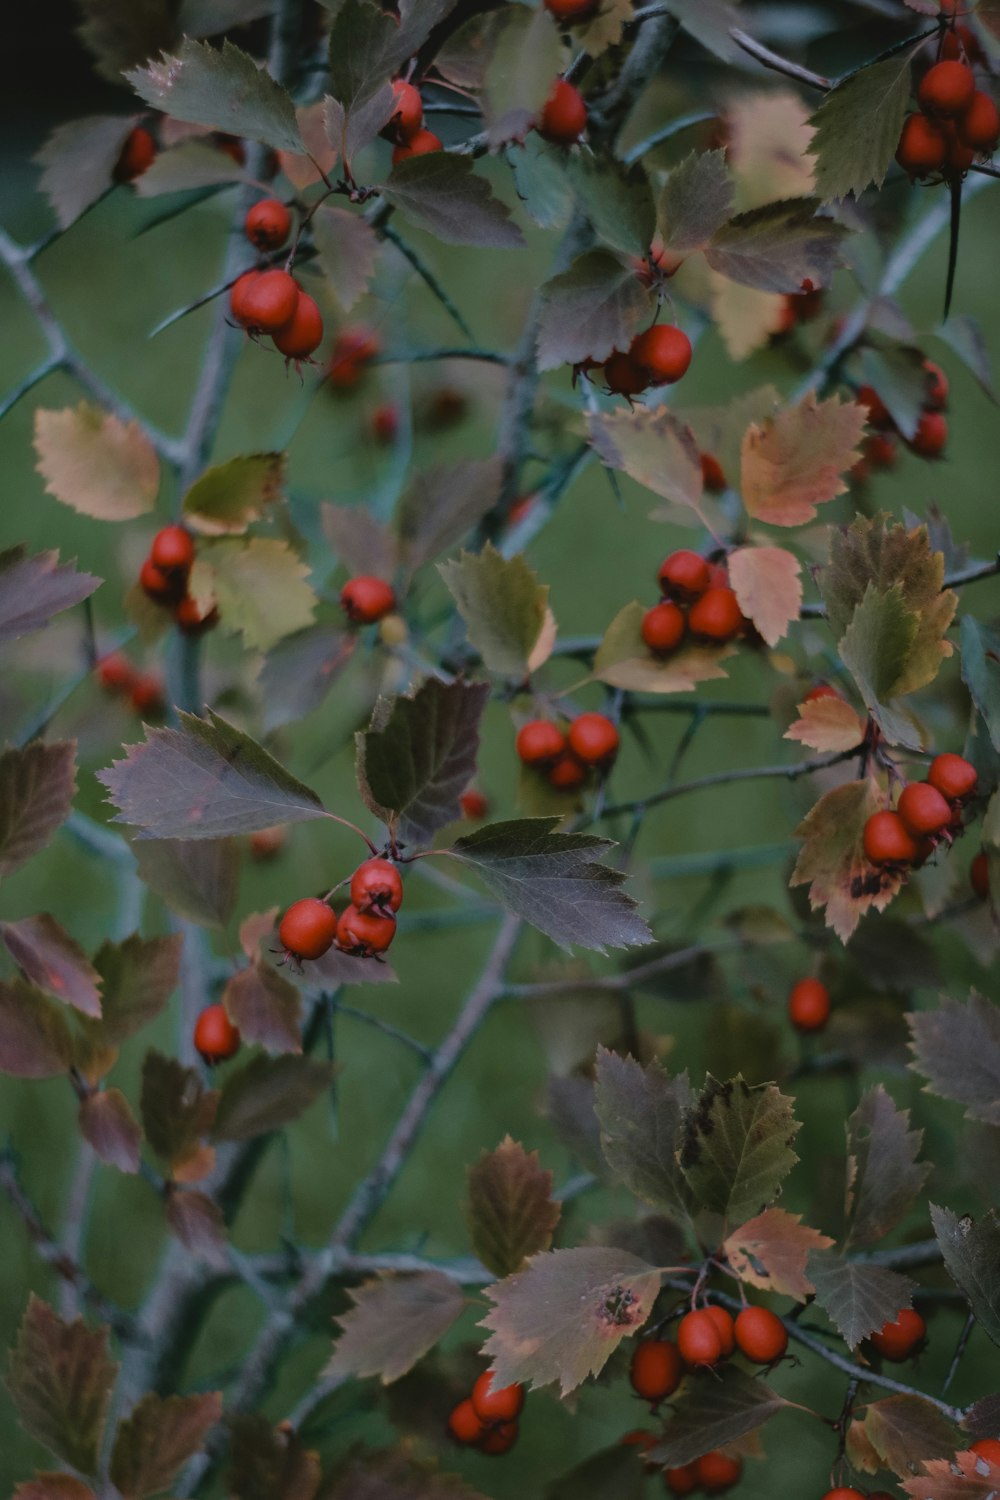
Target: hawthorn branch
[777,63]
[723,778]
[626,979]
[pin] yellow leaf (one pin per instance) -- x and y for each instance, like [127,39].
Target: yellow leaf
[827,724]
[94,462]
[795,461]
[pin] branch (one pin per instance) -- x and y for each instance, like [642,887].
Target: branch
[777,63]
[722,778]
[626,979]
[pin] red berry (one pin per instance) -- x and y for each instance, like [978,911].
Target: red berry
[664,627]
[682,1481]
[809,1005]
[138,153]
[698,1339]
[116,673]
[376,886]
[761,1335]
[937,387]
[716,615]
[366,600]
[164,587]
[408,113]
[979,875]
[566,773]
[191,619]
[717,1471]
[946,89]
[923,809]
[888,841]
[723,1321]
[879,450]
[268,842]
[953,776]
[821,690]
[593,739]
[421,143]
[269,302]
[844,1492]
[931,435]
[304,334]
[922,148]
[308,928]
[571,11]
[172,549]
[237,297]
[960,157]
[879,415]
[147,694]
[385,424]
[898,1340]
[473,804]
[656,1369]
[499,1439]
[979,126]
[684,575]
[464,1425]
[364,932]
[623,377]
[353,349]
[663,353]
[215,1036]
[267,224]
[539,742]
[496,1404]
[988,1448]
[712,474]
[564,118]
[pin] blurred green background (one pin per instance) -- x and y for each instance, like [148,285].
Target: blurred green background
[111,279]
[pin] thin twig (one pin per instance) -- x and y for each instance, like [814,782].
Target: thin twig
[723,778]
[777,63]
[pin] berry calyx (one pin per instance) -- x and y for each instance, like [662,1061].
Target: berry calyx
[115,673]
[946,89]
[684,575]
[408,114]
[539,742]
[682,1481]
[953,776]
[215,1036]
[922,148]
[566,773]
[499,1440]
[931,435]
[496,1404]
[716,616]
[138,153]
[464,1424]
[376,886]
[623,377]
[269,302]
[571,11]
[979,875]
[761,1335]
[308,928]
[988,1448]
[723,1321]
[698,1339]
[663,353]
[979,126]
[172,550]
[366,600]
[364,933]
[713,475]
[923,809]
[900,1338]
[421,143]
[809,1005]
[656,1369]
[664,627]
[716,1471]
[564,117]
[303,335]
[888,841]
[593,739]
[267,224]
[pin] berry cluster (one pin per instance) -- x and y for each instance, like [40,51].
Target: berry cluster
[406,128]
[659,356]
[697,602]
[271,301]
[567,759]
[487,1419]
[928,441]
[164,578]
[144,690]
[365,928]
[927,813]
[956,122]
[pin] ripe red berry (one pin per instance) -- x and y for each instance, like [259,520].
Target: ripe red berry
[937,387]
[623,377]
[376,886]
[664,627]
[539,742]
[237,297]
[988,1448]
[888,841]
[656,1369]
[663,353]
[946,89]
[879,415]
[464,1425]
[164,587]
[682,1481]
[979,875]
[923,809]
[593,739]
[953,776]
[408,114]
[366,600]
[499,1440]
[639,1437]
[191,619]
[809,1005]
[684,575]
[496,1404]
[571,11]
[931,435]
[723,1321]
[960,157]
[267,224]
[421,143]
[303,335]
[138,153]
[898,1340]
[353,349]
[979,126]
[473,804]
[821,690]
[761,1335]
[364,932]
[698,1339]
[712,474]
[308,928]
[716,615]
[172,549]
[385,424]
[879,450]
[566,773]
[844,1492]
[717,1471]
[116,673]
[147,694]
[215,1036]
[564,118]
[269,301]
[922,148]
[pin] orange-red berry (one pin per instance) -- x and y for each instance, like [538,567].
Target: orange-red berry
[979,126]
[474,804]
[366,600]
[566,772]
[269,301]
[717,1471]
[115,672]
[821,690]
[303,334]
[191,619]
[761,1335]
[923,809]
[499,1439]
[160,585]
[888,841]
[308,928]
[237,297]
[138,153]
[408,113]
[664,627]
[663,353]
[682,1481]
[172,549]
[656,1369]
[539,742]
[937,386]
[898,1340]
[593,739]
[421,143]
[684,575]
[147,694]
[215,1036]
[564,118]
[716,616]
[376,886]
[931,435]
[809,1005]
[844,1492]
[571,11]
[979,875]
[922,148]
[496,1403]
[953,776]
[267,224]
[464,1425]
[623,377]
[698,1339]
[364,932]
[723,1321]
[879,415]
[713,476]
[946,89]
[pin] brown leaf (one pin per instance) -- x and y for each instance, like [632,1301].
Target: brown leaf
[510,1211]
[265,1007]
[827,724]
[884,1175]
[255,928]
[965,1477]
[957,1049]
[832,860]
[159,1435]
[36,792]
[268,1463]
[94,462]
[60,1381]
[796,460]
[35,1039]
[304,171]
[905,1429]
[177,1110]
[109,1126]
[768,587]
[395,1320]
[771,1251]
[199,1225]
[49,958]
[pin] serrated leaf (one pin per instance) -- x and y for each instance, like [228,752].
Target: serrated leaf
[980,655]
[623,659]
[503,605]
[259,584]
[776,247]
[187,166]
[444,195]
[524,58]
[770,1251]
[695,201]
[857,127]
[904,1430]
[876,649]
[768,586]
[555,881]
[828,724]
[957,1049]
[362,543]
[737,1147]
[589,310]
[79,159]
[900,377]
[883,1174]
[33,589]
[122,35]
[510,1212]
[796,461]
[744,317]
[858,1298]
[605,28]
[300,671]
[60,1381]
[205,780]
[267,1093]
[138,976]
[223,89]
[964,337]
[36,792]
[440,505]
[305,171]
[959,1478]
[395,1320]
[710,22]
[197,878]
[569,1107]
[177,1110]
[347,248]
[710,1414]
[227,497]
[35,1039]
[198,1224]
[95,463]
[49,958]
[832,860]
[617,201]
[540,181]
[110,1128]
[159,1435]
[563,1316]
[265,1007]
[641,1113]
[419,755]
[654,448]
[350,128]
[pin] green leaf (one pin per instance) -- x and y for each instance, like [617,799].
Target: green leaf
[444,195]
[222,89]
[964,337]
[33,589]
[900,377]
[980,647]
[259,584]
[857,1297]
[617,201]
[35,1039]
[95,463]
[776,247]
[623,659]
[177,1110]
[876,648]
[641,1112]
[883,1174]
[60,1381]
[79,159]
[541,182]
[205,780]
[187,166]
[555,881]
[510,1212]
[229,496]
[957,1049]
[858,126]
[267,1093]
[737,1148]
[695,201]
[652,446]
[197,878]
[49,958]
[159,1435]
[594,307]
[395,1320]
[971,1250]
[525,56]
[347,248]
[563,1316]
[440,506]
[419,755]
[109,1127]
[265,1007]
[712,1413]
[503,605]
